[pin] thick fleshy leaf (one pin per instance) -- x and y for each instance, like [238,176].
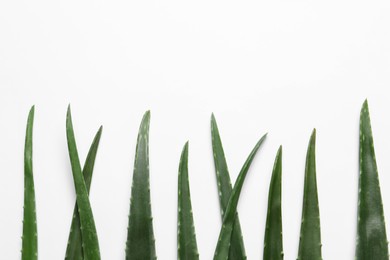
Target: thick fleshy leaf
[74,249]
[30,237]
[237,249]
[87,224]
[223,245]
[310,239]
[371,233]
[140,242]
[273,240]
[187,248]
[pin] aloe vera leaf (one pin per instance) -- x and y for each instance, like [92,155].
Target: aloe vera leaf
[237,249]
[273,240]
[223,245]
[90,243]
[187,248]
[140,242]
[371,231]
[29,238]
[310,238]
[74,249]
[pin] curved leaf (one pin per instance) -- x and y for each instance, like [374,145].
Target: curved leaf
[237,249]
[310,239]
[87,224]
[223,245]
[74,249]
[29,238]
[273,240]
[187,248]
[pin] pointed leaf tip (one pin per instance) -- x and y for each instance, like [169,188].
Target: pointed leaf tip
[213,123]
[184,152]
[68,115]
[365,110]
[87,223]
[140,242]
[30,116]
[314,133]
[310,238]
[145,120]
[147,114]
[280,151]
[186,238]
[273,239]
[371,231]
[237,249]
[29,237]
[212,117]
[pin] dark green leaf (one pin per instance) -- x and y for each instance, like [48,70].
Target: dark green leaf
[237,249]
[310,239]
[371,235]
[87,223]
[187,248]
[74,249]
[223,245]
[29,239]
[140,243]
[273,241]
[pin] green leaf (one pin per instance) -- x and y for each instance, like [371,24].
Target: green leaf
[371,231]
[140,239]
[223,245]
[87,223]
[237,249]
[74,249]
[310,239]
[29,238]
[273,240]
[187,248]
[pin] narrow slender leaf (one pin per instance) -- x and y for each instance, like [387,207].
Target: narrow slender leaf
[237,249]
[74,249]
[187,248]
[140,239]
[273,241]
[371,237]
[90,244]
[310,239]
[223,245]
[29,239]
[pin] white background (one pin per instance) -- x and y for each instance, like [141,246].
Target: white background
[282,67]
